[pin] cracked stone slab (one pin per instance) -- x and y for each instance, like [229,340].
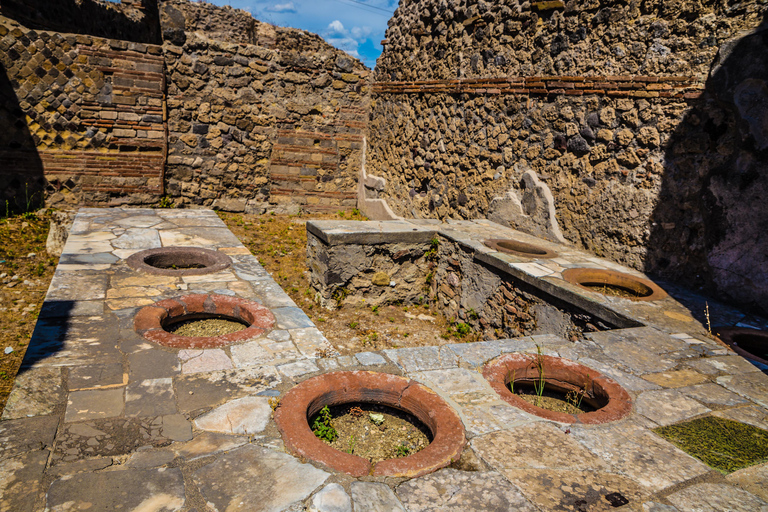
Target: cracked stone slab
[208,360]
[711,393]
[204,390]
[298,368]
[485,418]
[137,238]
[676,378]
[36,392]
[374,497]
[575,490]
[753,386]
[176,427]
[102,438]
[248,415]
[20,481]
[753,479]
[451,489]
[261,352]
[734,365]
[331,498]
[638,359]
[640,454]
[309,341]
[754,415]
[627,381]
[129,489]
[72,341]
[209,443]
[370,358]
[95,376]
[716,497]
[96,404]
[668,406]
[199,237]
[151,397]
[150,459]
[419,359]
[476,354]
[152,364]
[25,435]
[535,446]
[282,480]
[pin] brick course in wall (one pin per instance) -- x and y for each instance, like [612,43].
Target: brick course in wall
[85,114]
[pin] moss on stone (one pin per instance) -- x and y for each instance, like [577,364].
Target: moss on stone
[723,444]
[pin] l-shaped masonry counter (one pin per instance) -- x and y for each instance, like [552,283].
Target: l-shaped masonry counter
[100,416]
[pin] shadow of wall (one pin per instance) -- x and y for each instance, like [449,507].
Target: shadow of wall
[134,20]
[710,226]
[21,172]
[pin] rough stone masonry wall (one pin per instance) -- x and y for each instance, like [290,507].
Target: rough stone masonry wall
[81,119]
[260,117]
[645,119]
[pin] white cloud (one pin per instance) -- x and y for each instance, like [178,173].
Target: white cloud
[336,28]
[346,44]
[360,33]
[289,7]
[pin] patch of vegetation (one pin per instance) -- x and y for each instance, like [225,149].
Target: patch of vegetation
[723,444]
[322,427]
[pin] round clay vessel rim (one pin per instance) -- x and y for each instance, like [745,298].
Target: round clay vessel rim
[493,243]
[150,320]
[582,274]
[728,336]
[214,261]
[335,388]
[563,371]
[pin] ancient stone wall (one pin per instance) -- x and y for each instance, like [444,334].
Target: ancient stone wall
[260,117]
[127,20]
[81,119]
[612,104]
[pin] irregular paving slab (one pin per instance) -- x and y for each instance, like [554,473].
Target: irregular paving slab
[716,498]
[711,393]
[753,386]
[26,435]
[95,376]
[331,498]
[734,365]
[96,404]
[676,378]
[667,406]
[636,358]
[36,392]
[198,361]
[20,479]
[176,427]
[753,479]
[419,359]
[152,397]
[130,489]
[576,490]
[209,443]
[257,479]
[248,415]
[374,497]
[153,364]
[450,489]
[754,415]
[536,446]
[640,454]
[210,389]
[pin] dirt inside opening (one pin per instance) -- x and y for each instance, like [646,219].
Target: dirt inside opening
[371,431]
[207,326]
[570,402]
[617,291]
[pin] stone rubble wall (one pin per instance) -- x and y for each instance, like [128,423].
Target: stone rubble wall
[463,290]
[380,274]
[81,119]
[497,305]
[126,20]
[616,106]
[260,117]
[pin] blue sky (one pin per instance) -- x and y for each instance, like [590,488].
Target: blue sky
[355,26]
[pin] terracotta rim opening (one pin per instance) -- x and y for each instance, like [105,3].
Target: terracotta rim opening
[151,321]
[749,343]
[179,261]
[606,395]
[518,248]
[593,278]
[307,398]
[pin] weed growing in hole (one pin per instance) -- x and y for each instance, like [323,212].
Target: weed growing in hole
[403,450]
[472,314]
[351,449]
[322,427]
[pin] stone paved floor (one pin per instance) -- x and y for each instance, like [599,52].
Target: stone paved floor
[101,419]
